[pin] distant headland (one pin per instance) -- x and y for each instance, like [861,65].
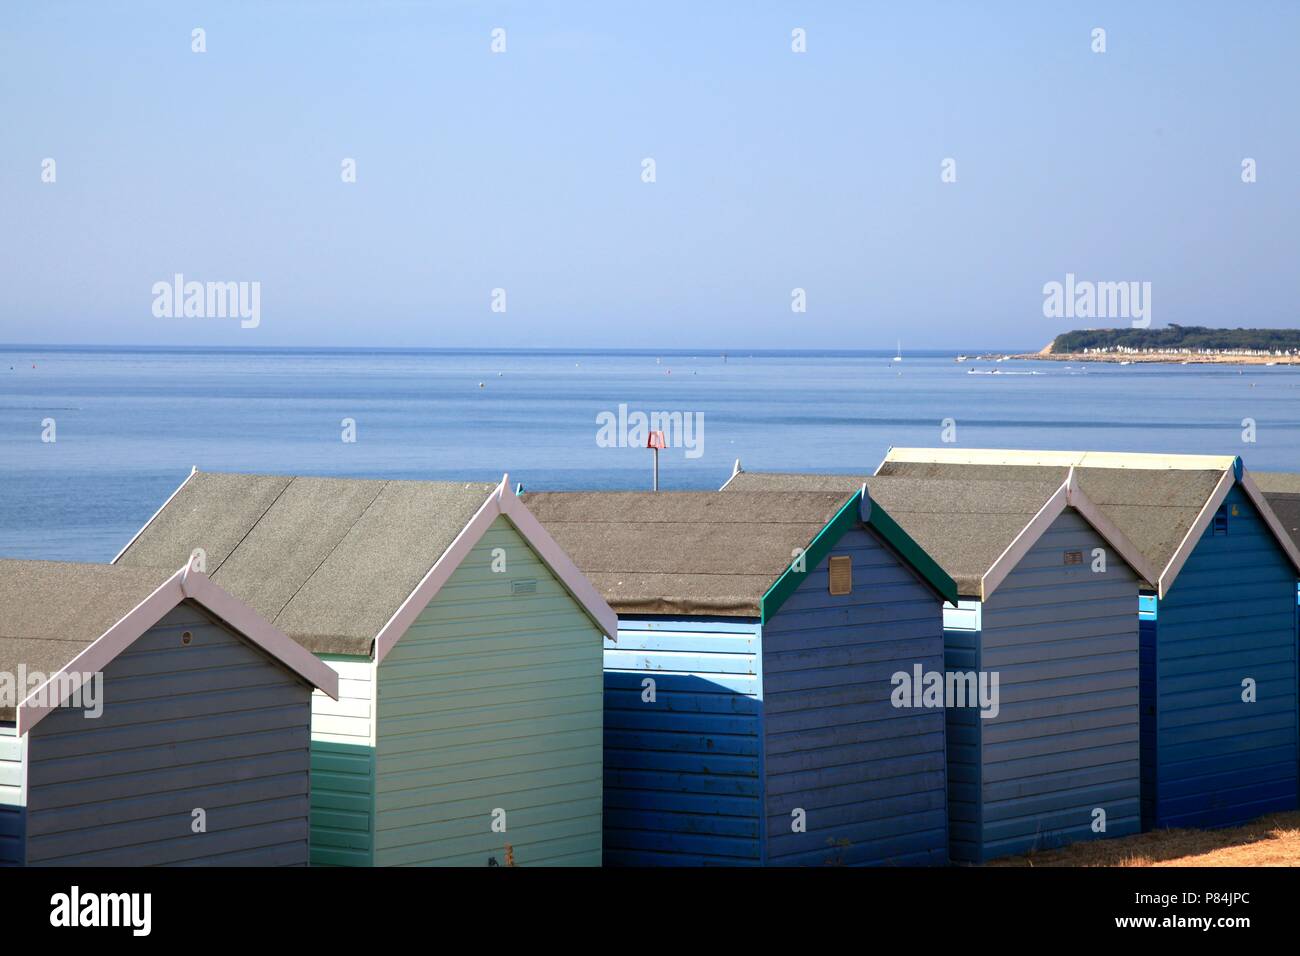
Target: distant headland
[1190,344]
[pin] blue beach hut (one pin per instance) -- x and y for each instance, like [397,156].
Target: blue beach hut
[1218,621]
[748,712]
[1045,620]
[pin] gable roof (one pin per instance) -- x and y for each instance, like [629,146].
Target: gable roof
[1281,490]
[1162,503]
[976,529]
[60,618]
[338,563]
[701,553]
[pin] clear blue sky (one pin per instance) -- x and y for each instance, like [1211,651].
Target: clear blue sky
[522,170]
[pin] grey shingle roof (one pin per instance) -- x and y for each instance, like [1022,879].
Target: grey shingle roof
[1153,507]
[1277,482]
[50,611]
[793,481]
[327,560]
[684,552]
[1282,491]
[965,525]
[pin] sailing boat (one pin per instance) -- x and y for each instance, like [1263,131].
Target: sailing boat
[899,356]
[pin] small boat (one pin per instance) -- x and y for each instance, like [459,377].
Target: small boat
[899,356]
[961,358]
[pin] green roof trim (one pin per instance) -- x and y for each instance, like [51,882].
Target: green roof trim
[884,525]
[848,517]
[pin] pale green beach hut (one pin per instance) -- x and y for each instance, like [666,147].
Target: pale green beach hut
[468,647]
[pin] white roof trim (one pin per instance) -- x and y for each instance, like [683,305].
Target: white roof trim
[500,502]
[1059,459]
[1165,577]
[574,581]
[185,584]
[1270,517]
[1193,536]
[735,470]
[1110,532]
[1029,535]
[1068,495]
[193,470]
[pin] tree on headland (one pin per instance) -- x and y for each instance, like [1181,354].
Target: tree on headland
[1179,338]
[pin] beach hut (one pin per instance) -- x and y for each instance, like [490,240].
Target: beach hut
[148,718]
[748,710]
[1219,677]
[1044,629]
[1281,490]
[468,726]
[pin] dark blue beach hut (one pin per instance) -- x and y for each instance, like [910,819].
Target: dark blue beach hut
[749,711]
[1218,621]
[1045,621]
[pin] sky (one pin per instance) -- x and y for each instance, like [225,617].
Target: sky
[523,170]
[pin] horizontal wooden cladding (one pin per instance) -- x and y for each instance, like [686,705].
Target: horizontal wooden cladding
[277,836]
[141,821]
[491,701]
[125,775]
[13,812]
[1063,641]
[868,778]
[434,771]
[343,768]
[213,724]
[350,719]
[565,672]
[342,804]
[1212,758]
[682,771]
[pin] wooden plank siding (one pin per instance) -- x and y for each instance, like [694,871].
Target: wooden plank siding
[682,771]
[491,701]
[343,767]
[869,776]
[213,724]
[13,809]
[1230,615]
[961,654]
[1064,641]
[1147,700]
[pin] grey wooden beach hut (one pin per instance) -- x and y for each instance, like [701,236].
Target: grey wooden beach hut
[1048,590]
[148,718]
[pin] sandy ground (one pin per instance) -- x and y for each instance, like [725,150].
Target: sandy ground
[1269,841]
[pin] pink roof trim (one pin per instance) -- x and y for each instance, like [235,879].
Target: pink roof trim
[185,584]
[500,502]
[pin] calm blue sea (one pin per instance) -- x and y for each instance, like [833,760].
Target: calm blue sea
[129,423]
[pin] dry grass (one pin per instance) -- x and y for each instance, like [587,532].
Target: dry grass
[1269,841]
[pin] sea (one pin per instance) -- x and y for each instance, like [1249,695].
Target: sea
[93,440]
